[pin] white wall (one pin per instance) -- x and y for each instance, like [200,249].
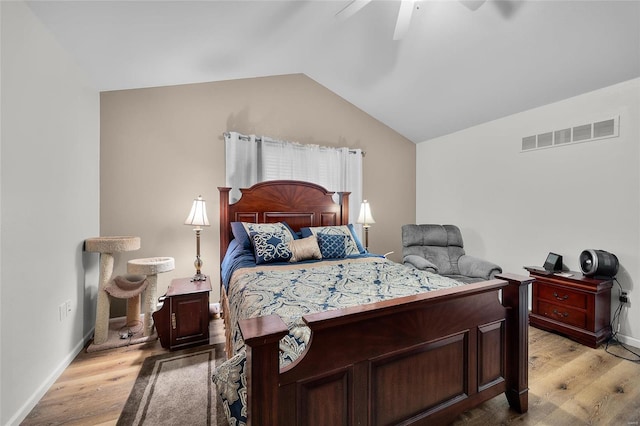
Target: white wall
[515,207]
[49,187]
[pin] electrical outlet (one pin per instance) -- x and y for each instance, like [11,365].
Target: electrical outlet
[623,297]
[64,310]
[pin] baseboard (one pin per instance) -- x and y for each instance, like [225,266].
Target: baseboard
[26,408]
[628,340]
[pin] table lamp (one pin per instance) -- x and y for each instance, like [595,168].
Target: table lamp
[198,218]
[366,219]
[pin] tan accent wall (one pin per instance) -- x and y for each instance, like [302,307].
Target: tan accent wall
[162,147]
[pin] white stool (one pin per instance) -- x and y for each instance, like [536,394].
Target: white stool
[150,267]
[106,246]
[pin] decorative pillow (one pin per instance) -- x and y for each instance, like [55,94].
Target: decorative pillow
[352,246]
[305,249]
[240,235]
[242,231]
[270,247]
[332,246]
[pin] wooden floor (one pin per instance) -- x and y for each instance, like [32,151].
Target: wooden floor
[570,384]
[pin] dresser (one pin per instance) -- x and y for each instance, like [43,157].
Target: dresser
[575,306]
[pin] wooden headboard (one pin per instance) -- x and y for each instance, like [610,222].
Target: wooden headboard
[298,203]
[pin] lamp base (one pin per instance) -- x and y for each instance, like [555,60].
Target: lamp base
[199,277]
[198,264]
[366,237]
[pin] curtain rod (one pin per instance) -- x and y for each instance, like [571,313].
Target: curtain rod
[259,139]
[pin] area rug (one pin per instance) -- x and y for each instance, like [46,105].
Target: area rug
[176,388]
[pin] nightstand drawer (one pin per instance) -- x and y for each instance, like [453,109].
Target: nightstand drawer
[562,296]
[562,313]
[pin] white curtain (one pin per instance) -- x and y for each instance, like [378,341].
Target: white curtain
[250,159]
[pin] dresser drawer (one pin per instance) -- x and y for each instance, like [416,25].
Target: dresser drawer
[562,296]
[562,313]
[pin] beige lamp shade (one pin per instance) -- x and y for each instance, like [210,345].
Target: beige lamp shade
[365,217]
[198,214]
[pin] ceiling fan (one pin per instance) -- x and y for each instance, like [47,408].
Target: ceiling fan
[404,14]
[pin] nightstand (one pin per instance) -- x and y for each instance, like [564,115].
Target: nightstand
[183,319]
[576,306]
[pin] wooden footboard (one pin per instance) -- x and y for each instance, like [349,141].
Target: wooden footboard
[414,360]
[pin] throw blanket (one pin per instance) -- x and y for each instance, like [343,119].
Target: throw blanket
[292,291]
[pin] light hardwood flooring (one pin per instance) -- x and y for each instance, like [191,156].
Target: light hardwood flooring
[569,384]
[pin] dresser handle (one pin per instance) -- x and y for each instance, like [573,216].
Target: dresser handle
[565,297]
[173,320]
[555,311]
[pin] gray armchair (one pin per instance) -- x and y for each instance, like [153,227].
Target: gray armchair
[439,249]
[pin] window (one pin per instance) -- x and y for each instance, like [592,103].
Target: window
[252,159]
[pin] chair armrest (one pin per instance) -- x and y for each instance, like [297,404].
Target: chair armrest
[419,262]
[478,268]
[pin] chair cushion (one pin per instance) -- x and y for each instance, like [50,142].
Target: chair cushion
[440,244]
[431,235]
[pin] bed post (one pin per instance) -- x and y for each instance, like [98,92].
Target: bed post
[224,220]
[344,207]
[515,297]
[262,368]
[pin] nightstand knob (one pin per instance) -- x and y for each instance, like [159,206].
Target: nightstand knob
[173,320]
[565,297]
[564,314]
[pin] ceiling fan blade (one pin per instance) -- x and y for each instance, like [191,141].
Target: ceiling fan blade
[472,4]
[351,9]
[404,19]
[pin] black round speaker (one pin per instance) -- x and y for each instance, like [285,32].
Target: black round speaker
[599,263]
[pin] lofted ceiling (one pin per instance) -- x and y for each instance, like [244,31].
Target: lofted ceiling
[454,67]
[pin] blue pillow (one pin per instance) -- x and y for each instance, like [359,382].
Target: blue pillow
[353,245]
[240,235]
[332,246]
[271,247]
[241,231]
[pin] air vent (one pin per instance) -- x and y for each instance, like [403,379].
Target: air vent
[581,133]
[604,129]
[562,136]
[545,140]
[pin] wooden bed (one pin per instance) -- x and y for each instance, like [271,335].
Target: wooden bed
[421,359]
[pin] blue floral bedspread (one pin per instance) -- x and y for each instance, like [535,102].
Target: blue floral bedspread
[292,291]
